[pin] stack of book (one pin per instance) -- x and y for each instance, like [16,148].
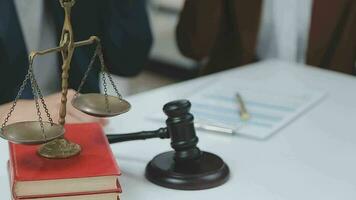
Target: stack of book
[93,174]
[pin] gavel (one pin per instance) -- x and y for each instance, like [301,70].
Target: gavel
[187,167]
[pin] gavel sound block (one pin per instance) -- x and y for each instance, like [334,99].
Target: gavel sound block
[187,167]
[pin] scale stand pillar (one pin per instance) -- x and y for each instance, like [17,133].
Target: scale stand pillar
[62,148]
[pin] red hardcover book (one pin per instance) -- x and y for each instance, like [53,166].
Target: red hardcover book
[93,171]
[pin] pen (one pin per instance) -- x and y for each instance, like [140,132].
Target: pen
[244,115]
[220,129]
[214,128]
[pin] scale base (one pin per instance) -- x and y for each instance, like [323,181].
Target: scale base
[59,149]
[207,172]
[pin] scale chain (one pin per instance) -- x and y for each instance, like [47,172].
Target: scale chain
[105,92]
[107,106]
[35,91]
[98,53]
[105,71]
[37,94]
[40,95]
[19,93]
[86,74]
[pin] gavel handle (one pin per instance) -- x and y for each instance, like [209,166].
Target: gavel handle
[160,133]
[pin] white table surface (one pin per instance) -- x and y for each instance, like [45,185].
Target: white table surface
[312,158]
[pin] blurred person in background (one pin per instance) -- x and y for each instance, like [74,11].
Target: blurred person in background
[229,33]
[32,25]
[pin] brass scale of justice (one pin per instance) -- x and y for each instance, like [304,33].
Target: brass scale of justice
[47,133]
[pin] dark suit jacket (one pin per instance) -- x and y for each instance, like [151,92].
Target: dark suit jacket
[122,26]
[225,32]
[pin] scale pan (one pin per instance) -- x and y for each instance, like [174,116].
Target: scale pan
[95,105]
[30,132]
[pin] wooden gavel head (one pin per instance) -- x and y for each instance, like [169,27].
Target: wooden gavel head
[180,125]
[187,167]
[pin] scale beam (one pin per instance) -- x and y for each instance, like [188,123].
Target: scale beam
[91,40]
[34,54]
